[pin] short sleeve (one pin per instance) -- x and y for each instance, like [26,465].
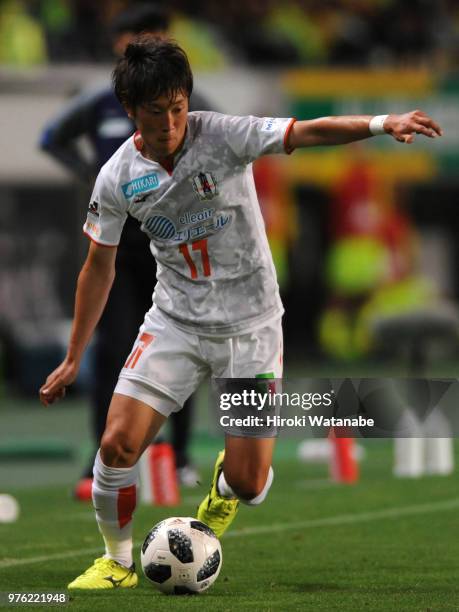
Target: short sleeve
[106,215]
[251,137]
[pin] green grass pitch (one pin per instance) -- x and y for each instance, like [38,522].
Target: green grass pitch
[383,544]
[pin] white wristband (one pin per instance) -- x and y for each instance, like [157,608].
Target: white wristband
[376,125]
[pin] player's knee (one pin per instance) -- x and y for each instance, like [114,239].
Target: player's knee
[115,450]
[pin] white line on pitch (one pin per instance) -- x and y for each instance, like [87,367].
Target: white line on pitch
[346,519]
[340,519]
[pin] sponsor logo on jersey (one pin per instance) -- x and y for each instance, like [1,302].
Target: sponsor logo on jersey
[205,185]
[141,184]
[214,225]
[269,124]
[196,217]
[93,208]
[160,227]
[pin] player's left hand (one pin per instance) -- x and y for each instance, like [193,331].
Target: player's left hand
[54,387]
[404,127]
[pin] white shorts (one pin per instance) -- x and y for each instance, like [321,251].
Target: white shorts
[167,365]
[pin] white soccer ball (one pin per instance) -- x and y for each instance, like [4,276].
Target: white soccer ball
[9,509]
[181,555]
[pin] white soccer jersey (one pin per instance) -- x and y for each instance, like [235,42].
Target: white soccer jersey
[215,274]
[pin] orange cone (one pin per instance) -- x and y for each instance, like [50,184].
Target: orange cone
[343,465]
[158,476]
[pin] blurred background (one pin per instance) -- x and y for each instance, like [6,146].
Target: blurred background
[363,236]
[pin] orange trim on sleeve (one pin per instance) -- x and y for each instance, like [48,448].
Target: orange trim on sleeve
[108,246]
[286,135]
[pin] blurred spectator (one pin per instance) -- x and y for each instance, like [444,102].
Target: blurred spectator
[56,17]
[22,39]
[200,41]
[279,210]
[259,32]
[406,30]
[371,264]
[297,26]
[351,33]
[245,26]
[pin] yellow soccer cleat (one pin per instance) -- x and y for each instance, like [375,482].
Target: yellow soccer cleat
[106,574]
[215,511]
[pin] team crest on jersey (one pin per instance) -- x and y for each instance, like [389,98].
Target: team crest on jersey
[205,185]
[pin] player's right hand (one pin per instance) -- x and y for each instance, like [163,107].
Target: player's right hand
[404,127]
[54,387]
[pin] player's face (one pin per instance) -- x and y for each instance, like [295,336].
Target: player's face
[162,124]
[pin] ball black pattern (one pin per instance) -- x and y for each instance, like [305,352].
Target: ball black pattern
[210,566]
[199,526]
[180,545]
[151,536]
[157,572]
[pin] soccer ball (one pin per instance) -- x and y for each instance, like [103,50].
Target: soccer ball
[181,555]
[9,509]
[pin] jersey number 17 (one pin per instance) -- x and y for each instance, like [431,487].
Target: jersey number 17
[199,245]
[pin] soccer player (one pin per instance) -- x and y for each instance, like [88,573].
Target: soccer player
[187,178]
[99,116]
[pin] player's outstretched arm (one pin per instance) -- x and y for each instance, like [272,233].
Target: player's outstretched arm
[94,284]
[345,129]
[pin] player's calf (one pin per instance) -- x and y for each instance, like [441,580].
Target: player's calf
[220,506]
[250,487]
[114,494]
[255,492]
[116,450]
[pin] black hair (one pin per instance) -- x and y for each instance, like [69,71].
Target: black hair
[141,18]
[151,67]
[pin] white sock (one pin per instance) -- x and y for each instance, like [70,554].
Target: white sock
[226,491]
[261,496]
[223,487]
[114,495]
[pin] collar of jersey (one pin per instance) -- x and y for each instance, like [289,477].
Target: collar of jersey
[138,143]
